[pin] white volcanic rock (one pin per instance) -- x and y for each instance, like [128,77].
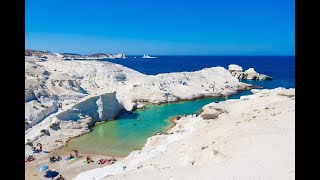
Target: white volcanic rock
[97,107]
[120,56]
[74,120]
[250,71]
[212,111]
[235,68]
[81,87]
[249,74]
[36,111]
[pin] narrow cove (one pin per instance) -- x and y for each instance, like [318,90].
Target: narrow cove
[127,133]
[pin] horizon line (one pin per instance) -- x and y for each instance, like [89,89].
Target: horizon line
[172,54]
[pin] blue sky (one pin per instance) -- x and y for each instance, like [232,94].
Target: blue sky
[162,27]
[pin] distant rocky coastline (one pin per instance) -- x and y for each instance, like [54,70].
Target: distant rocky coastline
[72,56]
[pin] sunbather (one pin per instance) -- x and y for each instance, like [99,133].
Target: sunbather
[71,156]
[60,178]
[102,161]
[39,147]
[52,159]
[29,158]
[89,160]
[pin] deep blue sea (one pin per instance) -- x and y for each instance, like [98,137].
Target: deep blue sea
[281,68]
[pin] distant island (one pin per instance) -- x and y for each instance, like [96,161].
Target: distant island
[73,56]
[147,56]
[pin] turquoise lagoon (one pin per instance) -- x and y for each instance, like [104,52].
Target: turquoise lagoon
[126,133]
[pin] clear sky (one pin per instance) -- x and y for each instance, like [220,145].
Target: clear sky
[162,27]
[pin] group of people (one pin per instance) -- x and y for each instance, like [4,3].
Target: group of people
[38,148]
[108,161]
[71,156]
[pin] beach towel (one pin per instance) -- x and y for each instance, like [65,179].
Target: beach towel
[73,159]
[51,174]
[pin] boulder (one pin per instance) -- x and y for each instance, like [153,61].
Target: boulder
[212,111]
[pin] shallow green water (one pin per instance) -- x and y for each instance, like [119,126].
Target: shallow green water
[122,136]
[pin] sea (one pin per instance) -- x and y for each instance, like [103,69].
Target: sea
[126,133]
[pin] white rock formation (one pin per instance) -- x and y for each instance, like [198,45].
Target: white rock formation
[96,107]
[36,111]
[235,68]
[81,87]
[120,56]
[212,111]
[249,74]
[147,56]
[251,139]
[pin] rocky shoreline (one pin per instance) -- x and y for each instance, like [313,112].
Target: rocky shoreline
[176,149]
